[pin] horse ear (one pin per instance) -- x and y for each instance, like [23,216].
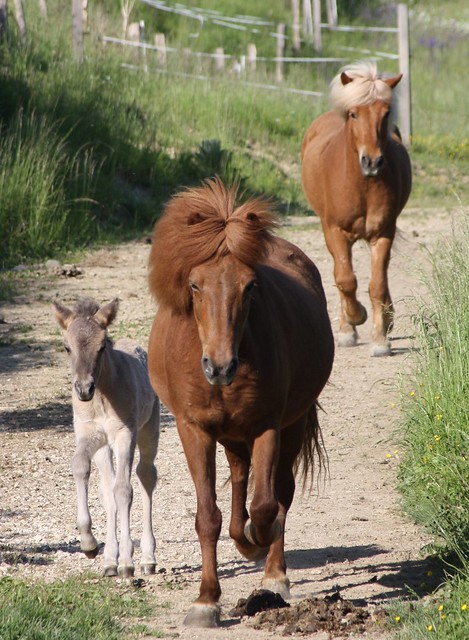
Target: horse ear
[106,314]
[62,315]
[194,218]
[393,82]
[344,78]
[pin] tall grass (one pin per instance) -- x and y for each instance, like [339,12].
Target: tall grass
[434,472]
[434,475]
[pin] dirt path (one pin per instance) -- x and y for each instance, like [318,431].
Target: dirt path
[352,537]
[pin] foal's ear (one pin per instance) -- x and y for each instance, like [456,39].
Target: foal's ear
[344,78]
[107,313]
[62,315]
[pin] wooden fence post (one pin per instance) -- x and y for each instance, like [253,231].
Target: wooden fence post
[3,18]
[307,21]
[219,59]
[280,52]
[404,107]
[141,32]
[296,25]
[43,8]
[331,6]
[317,25]
[20,21]
[160,43]
[252,56]
[77,29]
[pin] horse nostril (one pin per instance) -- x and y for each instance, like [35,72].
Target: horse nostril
[379,162]
[232,368]
[365,162]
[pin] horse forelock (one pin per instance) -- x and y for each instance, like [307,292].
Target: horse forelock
[201,224]
[366,87]
[85,308]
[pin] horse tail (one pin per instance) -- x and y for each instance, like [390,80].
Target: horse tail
[312,450]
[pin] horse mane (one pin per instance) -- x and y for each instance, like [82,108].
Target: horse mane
[367,87]
[199,224]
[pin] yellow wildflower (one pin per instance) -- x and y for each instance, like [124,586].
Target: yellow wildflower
[463,607]
[441,607]
[430,627]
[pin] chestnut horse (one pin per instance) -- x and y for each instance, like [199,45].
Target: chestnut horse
[357,177]
[240,349]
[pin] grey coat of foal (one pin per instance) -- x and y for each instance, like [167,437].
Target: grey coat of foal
[114,410]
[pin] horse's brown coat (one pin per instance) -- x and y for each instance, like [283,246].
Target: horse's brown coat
[356,176]
[240,349]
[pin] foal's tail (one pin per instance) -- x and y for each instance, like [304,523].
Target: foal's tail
[312,448]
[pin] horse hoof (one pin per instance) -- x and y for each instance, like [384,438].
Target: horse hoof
[282,586]
[347,337]
[203,615]
[126,572]
[91,553]
[110,571]
[252,552]
[148,569]
[276,531]
[380,350]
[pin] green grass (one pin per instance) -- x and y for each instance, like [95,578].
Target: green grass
[79,608]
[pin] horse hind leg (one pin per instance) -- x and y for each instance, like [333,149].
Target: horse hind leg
[147,441]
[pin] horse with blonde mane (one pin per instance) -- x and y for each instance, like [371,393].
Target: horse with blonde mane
[356,175]
[239,352]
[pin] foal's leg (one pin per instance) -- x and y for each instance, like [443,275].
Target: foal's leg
[352,312]
[103,460]
[380,297]
[200,451]
[275,573]
[147,440]
[124,448]
[85,449]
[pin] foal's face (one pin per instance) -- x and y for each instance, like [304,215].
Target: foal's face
[221,294]
[369,125]
[85,341]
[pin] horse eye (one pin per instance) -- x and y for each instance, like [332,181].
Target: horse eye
[250,287]
[67,348]
[353,115]
[194,287]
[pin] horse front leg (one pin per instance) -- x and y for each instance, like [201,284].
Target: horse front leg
[103,460]
[352,312]
[264,527]
[275,573]
[85,449]
[200,450]
[124,448]
[239,460]
[381,303]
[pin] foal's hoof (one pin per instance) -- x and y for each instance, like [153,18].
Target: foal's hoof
[276,531]
[110,571]
[91,553]
[148,569]
[203,615]
[126,572]
[252,552]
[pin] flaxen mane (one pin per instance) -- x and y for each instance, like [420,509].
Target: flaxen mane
[366,87]
[199,224]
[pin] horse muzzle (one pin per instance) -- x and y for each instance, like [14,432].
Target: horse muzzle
[85,391]
[371,167]
[219,375]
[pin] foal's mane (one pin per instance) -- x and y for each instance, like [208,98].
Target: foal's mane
[199,224]
[366,87]
[85,308]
